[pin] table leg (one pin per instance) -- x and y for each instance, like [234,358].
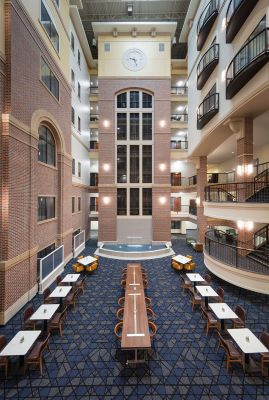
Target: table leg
[206,302]
[137,360]
[222,324]
[45,325]
[61,303]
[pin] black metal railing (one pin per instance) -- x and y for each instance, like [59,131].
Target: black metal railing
[232,7]
[93,179]
[179,90]
[239,257]
[94,90]
[221,177]
[183,181]
[261,237]
[207,13]
[253,49]
[183,209]
[239,192]
[179,117]
[94,145]
[94,117]
[259,168]
[211,55]
[179,144]
[207,109]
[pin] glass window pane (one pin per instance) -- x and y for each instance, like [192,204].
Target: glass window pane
[122,100]
[147,100]
[49,27]
[147,164]
[147,126]
[134,99]
[121,201]
[134,126]
[134,201]
[121,126]
[121,164]
[134,164]
[147,201]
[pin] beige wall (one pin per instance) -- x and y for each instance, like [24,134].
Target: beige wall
[62,21]
[2,29]
[157,63]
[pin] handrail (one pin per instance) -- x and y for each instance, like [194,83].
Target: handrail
[184,181]
[246,54]
[230,11]
[210,8]
[261,237]
[210,55]
[261,175]
[179,117]
[179,144]
[209,103]
[237,192]
[179,90]
[261,167]
[216,177]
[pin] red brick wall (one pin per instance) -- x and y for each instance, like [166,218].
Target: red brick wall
[81,219]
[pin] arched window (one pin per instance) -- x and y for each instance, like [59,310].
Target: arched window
[46,146]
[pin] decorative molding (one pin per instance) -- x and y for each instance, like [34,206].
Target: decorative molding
[8,264]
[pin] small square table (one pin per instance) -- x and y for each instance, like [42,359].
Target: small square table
[247,342]
[206,291]
[20,344]
[44,313]
[87,260]
[195,278]
[181,259]
[60,292]
[222,312]
[71,278]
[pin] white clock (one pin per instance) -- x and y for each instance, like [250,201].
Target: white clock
[134,59]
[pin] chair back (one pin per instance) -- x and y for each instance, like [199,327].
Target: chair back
[118,329]
[58,280]
[45,343]
[265,339]
[220,292]
[3,342]
[240,312]
[207,278]
[152,329]
[63,313]
[46,293]
[27,313]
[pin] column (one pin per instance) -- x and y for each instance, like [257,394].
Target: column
[201,183]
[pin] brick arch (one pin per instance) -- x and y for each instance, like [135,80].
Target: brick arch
[133,88]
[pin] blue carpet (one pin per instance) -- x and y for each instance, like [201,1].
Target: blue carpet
[86,363]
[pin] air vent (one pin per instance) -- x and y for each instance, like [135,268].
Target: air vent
[161,46]
[107,47]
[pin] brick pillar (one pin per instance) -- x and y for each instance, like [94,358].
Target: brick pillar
[201,183]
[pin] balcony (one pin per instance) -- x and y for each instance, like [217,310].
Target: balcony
[181,211]
[94,179]
[178,145]
[179,90]
[177,180]
[206,21]
[207,65]
[237,13]
[94,117]
[222,177]
[94,145]
[179,118]
[207,110]
[247,62]
[94,90]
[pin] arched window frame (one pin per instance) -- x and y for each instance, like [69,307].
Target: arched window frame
[46,146]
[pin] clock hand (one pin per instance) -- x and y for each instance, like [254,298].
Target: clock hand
[134,59]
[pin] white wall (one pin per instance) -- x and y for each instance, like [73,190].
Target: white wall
[187,169]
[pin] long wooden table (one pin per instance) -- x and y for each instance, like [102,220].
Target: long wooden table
[135,333]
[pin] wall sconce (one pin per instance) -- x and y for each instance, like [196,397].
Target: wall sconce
[106,167]
[198,201]
[106,200]
[162,200]
[245,169]
[245,225]
[162,167]
[106,123]
[162,123]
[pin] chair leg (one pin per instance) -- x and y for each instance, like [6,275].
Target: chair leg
[60,328]
[40,365]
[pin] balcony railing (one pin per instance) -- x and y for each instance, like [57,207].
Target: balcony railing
[179,117]
[207,109]
[176,180]
[94,117]
[183,209]
[237,13]
[179,144]
[206,21]
[94,179]
[94,145]
[252,192]
[261,237]
[222,177]
[179,90]
[247,62]
[239,257]
[94,90]
[206,65]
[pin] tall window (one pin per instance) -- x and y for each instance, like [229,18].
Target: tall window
[49,26]
[79,169]
[79,204]
[73,204]
[78,57]
[73,78]
[79,90]
[46,208]
[73,166]
[73,116]
[79,124]
[49,79]
[72,42]
[134,110]
[46,146]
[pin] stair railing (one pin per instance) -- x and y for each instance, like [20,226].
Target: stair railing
[261,237]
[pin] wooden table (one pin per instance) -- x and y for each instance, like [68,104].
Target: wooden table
[71,278]
[44,313]
[248,343]
[87,260]
[60,292]
[206,291]
[181,259]
[222,312]
[135,333]
[193,277]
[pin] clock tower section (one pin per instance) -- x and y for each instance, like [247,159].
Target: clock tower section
[134,79]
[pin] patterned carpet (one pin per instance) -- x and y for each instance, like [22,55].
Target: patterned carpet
[86,363]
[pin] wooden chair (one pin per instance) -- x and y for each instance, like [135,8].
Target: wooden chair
[92,267]
[207,280]
[220,297]
[80,257]
[78,268]
[3,360]
[46,298]
[177,266]
[123,283]
[232,353]
[209,317]
[189,266]
[148,301]
[150,314]
[120,313]
[240,321]
[57,320]
[121,301]
[71,298]
[118,330]
[58,281]
[35,355]
[198,247]
[80,285]
[264,338]
[196,299]
[27,323]
[188,256]
[185,282]
[145,283]
[152,330]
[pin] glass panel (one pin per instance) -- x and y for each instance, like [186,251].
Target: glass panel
[73,205]
[49,27]
[134,99]
[147,201]
[121,164]
[134,201]
[121,201]
[134,126]
[134,164]
[121,126]
[122,100]
[147,164]
[147,100]
[147,126]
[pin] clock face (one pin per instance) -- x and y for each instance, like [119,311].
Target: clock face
[134,59]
